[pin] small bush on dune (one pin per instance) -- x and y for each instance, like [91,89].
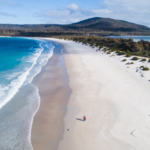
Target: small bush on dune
[112,50]
[124,60]
[143,59]
[122,53]
[108,53]
[135,58]
[145,68]
[117,51]
[105,49]
[142,67]
[128,52]
[130,63]
[128,55]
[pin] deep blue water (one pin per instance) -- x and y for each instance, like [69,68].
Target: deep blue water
[18,58]
[21,59]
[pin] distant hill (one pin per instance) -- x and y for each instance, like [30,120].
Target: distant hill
[107,24]
[92,25]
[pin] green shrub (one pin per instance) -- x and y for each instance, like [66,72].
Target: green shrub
[145,68]
[128,51]
[122,53]
[142,67]
[105,49]
[138,54]
[117,51]
[108,52]
[128,55]
[132,63]
[135,58]
[143,59]
[124,60]
[149,60]
[112,49]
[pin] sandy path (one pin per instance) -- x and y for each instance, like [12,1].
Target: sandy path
[115,99]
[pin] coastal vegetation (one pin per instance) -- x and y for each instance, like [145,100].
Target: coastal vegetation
[143,59]
[135,58]
[120,46]
[130,63]
[144,68]
[124,60]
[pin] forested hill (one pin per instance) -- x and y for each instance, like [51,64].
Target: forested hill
[92,26]
[108,24]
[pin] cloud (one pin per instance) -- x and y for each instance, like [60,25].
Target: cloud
[7,15]
[72,13]
[135,11]
[9,3]
[72,7]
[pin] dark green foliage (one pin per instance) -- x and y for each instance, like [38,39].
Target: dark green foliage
[117,51]
[128,51]
[122,53]
[142,67]
[143,59]
[128,55]
[135,58]
[124,60]
[130,63]
[145,68]
[122,46]
[105,49]
[149,60]
[108,53]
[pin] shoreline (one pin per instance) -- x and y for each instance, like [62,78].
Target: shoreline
[47,128]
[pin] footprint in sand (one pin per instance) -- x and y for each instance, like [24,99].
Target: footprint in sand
[132,133]
[142,75]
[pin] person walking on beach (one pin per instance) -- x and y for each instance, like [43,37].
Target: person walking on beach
[84,118]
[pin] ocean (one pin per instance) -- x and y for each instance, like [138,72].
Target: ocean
[21,59]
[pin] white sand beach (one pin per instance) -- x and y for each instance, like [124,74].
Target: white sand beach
[114,97]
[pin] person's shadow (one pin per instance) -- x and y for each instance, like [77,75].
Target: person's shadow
[79,119]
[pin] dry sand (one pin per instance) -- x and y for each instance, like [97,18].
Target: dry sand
[114,97]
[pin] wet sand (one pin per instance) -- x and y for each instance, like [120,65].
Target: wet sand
[48,124]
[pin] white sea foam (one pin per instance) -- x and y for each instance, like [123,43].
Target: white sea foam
[14,75]
[38,67]
[7,92]
[24,100]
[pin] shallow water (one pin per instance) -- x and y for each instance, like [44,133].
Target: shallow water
[21,60]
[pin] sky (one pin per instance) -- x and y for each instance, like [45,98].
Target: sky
[70,11]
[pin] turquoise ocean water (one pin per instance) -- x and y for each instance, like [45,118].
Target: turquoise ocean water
[21,59]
